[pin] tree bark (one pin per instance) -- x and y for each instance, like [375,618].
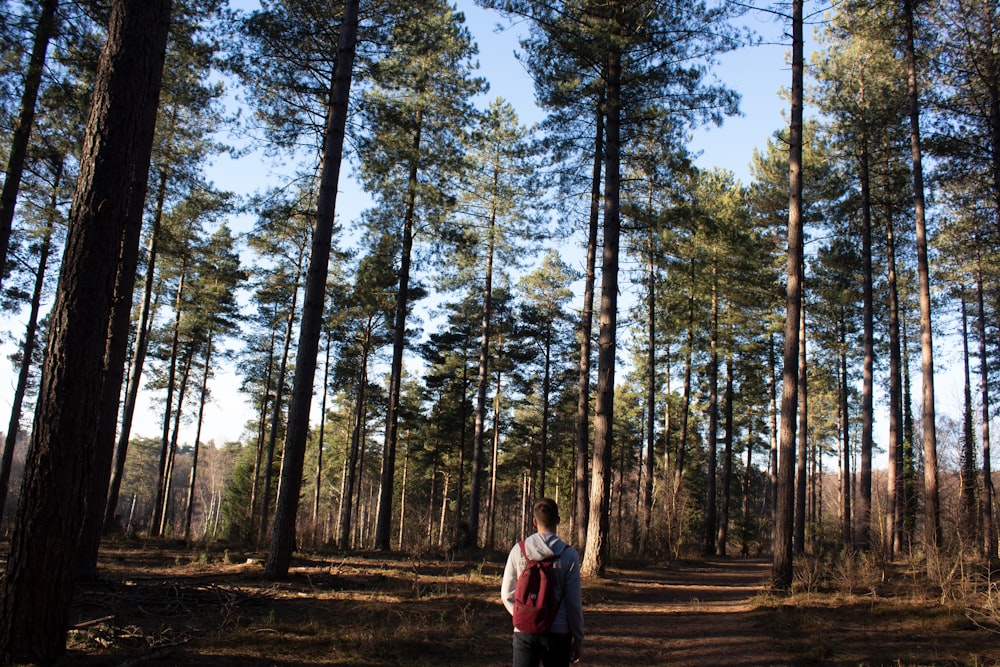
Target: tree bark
[932,510]
[802,452]
[157,516]
[360,409]
[581,511]
[283,539]
[781,571]
[989,530]
[712,437]
[279,400]
[846,476]
[727,462]
[384,510]
[189,504]
[650,455]
[484,377]
[895,498]
[595,556]
[318,479]
[864,507]
[968,521]
[38,585]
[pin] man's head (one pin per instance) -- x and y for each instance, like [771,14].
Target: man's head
[546,515]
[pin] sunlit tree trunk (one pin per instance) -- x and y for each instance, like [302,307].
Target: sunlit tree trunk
[484,374]
[727,462]
[782,545]
[189,504]
[318,479]
[581,506]
[895,498]
[276,408]
[868,381]
[595,556]
[932,511]
[712,439]
[989,530]
[384,511]
[283,536]
[157,516]
[646,509]
[802,452]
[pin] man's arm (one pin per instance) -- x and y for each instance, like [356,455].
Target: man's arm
[509,585]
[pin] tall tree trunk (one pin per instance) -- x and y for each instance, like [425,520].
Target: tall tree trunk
[546,399]
[402,497]
[44,30]
[595,557]
[140,347]
[276,408]
[727,461]
[712,437]
[581,505]
[968,521]
[484,376]
[193,478]
[318,479]
[646,509]
[161,471]
[932,511]
[265,402]
[864,507]
[989,530]
[802,452]
[283,541]
[38,584]
[360,409]
[911,504]
[895,498]
[494,462]
[781,572]
[115,355]
[28,349]
[772,496]
[167,482]
[384,511]
[846,476]
[686,400]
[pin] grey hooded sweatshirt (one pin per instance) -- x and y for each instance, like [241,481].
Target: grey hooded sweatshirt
[540,546]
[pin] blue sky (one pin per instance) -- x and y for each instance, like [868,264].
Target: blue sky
[756,73]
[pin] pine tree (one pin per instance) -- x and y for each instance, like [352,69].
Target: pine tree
[415,112]
[38,585]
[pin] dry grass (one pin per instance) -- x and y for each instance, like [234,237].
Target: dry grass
[168,606]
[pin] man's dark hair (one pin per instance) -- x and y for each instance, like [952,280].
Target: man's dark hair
[546,513]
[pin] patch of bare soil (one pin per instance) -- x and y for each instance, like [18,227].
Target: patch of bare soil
[157,606]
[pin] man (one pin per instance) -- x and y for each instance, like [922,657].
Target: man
[564,643]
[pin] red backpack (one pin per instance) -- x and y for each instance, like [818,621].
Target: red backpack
[535,603]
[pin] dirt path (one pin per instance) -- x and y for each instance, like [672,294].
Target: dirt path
[691,614]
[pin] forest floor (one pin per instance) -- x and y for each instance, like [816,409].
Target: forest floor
[160,605]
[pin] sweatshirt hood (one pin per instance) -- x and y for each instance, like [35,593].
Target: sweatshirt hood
[540,546]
